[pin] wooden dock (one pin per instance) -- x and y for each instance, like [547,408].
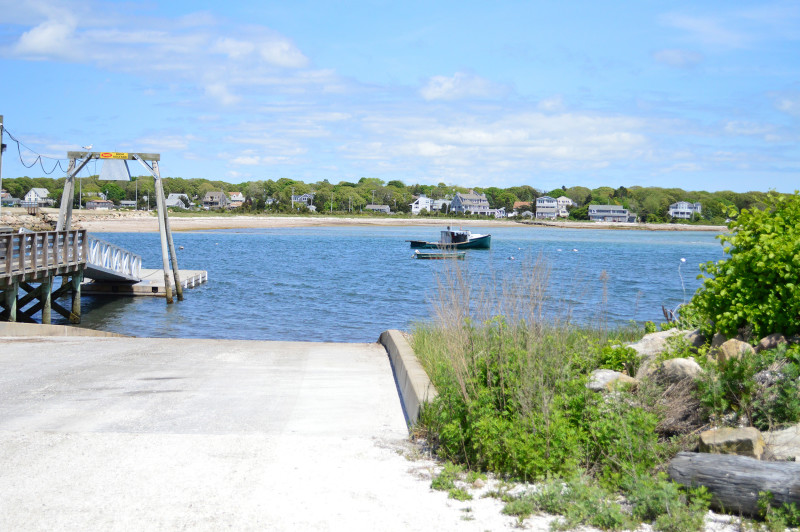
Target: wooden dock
[37,258]
[152,284]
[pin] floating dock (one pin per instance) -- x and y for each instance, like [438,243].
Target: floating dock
[151,284]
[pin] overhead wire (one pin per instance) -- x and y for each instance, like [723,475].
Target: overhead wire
[39,157]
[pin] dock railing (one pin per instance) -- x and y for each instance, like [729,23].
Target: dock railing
[24,254]
[114,258]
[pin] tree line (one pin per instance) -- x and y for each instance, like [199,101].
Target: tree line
[650,203]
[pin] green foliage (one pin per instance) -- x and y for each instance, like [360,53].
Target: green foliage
[777,518]
[580,502]
[673,508]
[446,479]
[732,387]
[618,358]
[756,290]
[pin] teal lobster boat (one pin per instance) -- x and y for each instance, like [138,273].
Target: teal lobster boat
[456,239]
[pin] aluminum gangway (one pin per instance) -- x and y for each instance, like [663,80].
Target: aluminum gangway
[107,262]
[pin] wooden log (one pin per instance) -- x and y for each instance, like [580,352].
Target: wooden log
[735,481]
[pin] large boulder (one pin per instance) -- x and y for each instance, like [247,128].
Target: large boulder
[677,369]
[608,379]
[654,343]
[732,349]
[770,342]
[746,441]
[783,444]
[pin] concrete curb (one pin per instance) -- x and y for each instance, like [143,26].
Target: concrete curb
[35,329]
[413,384]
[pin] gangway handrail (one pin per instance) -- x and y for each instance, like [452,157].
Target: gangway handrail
[33,252]
[114,258]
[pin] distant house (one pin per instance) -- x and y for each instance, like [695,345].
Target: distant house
[500,212]
[237,196]
[422,203]
[684,210]
[127,204]
[180,201]
[307,199]
[8,201]
[564,203]
[522,206]
[37,197]
[471,203]
[546,208]
[378,208]
[610,213]
[215,200]
[100,204]
[440,204]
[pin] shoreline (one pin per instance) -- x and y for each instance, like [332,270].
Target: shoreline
[146,222]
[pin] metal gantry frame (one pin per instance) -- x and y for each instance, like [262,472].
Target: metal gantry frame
[78,160]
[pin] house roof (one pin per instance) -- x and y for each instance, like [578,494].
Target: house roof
[40,191]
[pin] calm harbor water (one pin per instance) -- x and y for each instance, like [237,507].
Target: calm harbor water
[350,284]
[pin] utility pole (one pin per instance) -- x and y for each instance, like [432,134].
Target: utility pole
[2,149]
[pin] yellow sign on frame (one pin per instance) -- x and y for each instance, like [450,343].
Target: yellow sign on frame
[113,155]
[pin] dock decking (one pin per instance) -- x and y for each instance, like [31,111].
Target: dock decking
[151,284]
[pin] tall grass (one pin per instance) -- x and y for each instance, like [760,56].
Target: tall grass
[511,369]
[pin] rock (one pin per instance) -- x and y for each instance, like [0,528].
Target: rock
[783,444]
[718,339]
[654,343]
[794,339]
[732,349]
[478,484]
[695,338]
[678,369]
[649,347]
[770,342]
[607,379]
[746,441]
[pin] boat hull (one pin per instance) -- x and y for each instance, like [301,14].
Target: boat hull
[481,242]
[439,255]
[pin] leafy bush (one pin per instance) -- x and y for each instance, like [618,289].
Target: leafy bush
[759,388]
[757,289]
[655,498]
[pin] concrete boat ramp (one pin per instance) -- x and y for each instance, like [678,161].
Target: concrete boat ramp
[116,433]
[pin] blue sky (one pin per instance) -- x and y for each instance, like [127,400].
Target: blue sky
[696,95]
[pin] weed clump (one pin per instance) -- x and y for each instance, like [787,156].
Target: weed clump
[513,401]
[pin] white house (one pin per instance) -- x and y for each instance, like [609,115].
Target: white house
[684,210]
[440,204]
[564,203]
[237,196]
[422,203]
[38,197]
[546,207]
[470,202]
[610,213]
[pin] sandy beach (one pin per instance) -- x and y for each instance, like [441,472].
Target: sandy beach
[144,222]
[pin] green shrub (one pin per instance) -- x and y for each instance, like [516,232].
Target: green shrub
[672,508]
[618,358]
[732,387]
[580,502]
[756,289]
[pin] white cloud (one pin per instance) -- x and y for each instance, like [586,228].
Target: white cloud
[460,86]
[707,30]
[50,39]
[747,128]
[788,103]
[551,105]
[246,160]
[227,63]
[678,58]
